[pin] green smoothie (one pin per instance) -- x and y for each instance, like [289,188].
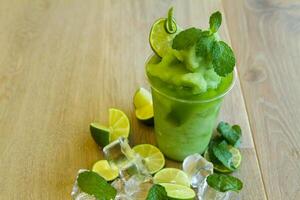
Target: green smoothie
[189,77]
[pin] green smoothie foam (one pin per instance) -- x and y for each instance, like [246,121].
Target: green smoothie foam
[189,80]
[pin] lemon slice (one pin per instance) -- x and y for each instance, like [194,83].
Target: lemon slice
[119,125]
[142,101]
[103,168]
[172,175]
[178,192]
[153,157]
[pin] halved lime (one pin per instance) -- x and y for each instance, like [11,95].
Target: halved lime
[99,133]
[236,160]
[153,157]
[142,101]
[119,125]
[178,192]
[172,175]
[160,40]
[103,168]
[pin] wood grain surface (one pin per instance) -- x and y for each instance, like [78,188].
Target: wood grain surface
[266,37]
[63,64]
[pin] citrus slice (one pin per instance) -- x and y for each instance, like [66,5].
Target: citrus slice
[100,134]
[172,175]
[103,168]
[236,156]
[236,160]
[142,97]
[142,101]
[178,192]
[119,125]
[153,157]
[160,40]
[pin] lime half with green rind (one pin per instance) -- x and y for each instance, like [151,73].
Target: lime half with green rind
[236,160]
[178,192]
[100,134]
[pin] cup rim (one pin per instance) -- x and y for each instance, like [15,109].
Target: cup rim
[234,77]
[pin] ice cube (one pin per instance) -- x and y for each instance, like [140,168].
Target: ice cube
[118,184]
[118,153]
[205,192]
[137,187]
[197,169]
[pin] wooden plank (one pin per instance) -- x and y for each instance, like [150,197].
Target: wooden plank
[266,36]
[62,65]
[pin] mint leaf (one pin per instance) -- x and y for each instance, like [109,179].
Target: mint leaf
[231,134]
[223,154]
[223,58]
[204,45]
[214,142]
[93,184]
[157,192]
[215,21]
[186,38]
[224,183]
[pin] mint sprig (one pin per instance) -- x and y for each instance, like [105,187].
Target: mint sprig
[224,183]
[157,192]
[232,134]
[93,184]
[204,45]
[186,38]
[223,154]
[223,58]
[215,22]
[207,46]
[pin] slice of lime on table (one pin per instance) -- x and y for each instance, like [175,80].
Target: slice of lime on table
[178,192]
[103,168]
[119,126]
[172,175]
[236,160]
[162,34]
[142,101]
[152,156]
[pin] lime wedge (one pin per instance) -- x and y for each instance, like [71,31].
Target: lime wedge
[236,160]
[100,134]
[153,157]
[119,125]
[103,168]
[142,97]
[160,40]
[172,175]
[178,192]
[142,101]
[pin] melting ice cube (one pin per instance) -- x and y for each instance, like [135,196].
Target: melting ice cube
[197,168]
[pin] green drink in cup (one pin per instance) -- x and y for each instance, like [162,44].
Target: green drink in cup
[190,73]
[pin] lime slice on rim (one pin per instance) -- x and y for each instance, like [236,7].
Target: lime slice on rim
[142,101]
[103,168]
[153,157]
[172,175]
[100,134]
[119,125]
[236,160]
[178,192]
[160,40]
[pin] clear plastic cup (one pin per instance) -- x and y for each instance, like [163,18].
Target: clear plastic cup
[184,126]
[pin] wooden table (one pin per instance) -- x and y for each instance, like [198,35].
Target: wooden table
[64,63]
